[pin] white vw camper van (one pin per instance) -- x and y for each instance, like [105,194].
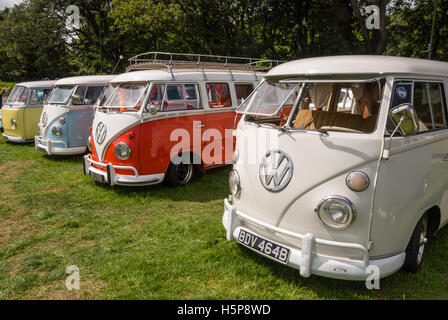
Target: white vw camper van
[349,170]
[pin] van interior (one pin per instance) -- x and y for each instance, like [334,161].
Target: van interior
[350,107]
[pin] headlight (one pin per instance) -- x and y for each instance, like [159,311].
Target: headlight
[122,151]
[89,143]
[336,212]
[235,183]
[14,124]
[57,131]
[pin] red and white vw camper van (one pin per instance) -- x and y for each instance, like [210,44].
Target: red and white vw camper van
[168,118]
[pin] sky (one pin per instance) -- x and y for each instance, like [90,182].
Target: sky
[8,3]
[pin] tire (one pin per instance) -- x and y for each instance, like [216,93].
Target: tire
[416,247]
[180,173]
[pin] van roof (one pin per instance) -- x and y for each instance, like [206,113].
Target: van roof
[186,75]
[358,65]
[84,80]
[37,84]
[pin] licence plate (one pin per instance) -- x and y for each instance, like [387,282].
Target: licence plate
[97,177]
[265,247]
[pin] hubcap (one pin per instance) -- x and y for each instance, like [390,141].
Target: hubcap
[184,172]
[422,242]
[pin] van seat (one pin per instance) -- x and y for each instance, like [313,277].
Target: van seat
[315,119]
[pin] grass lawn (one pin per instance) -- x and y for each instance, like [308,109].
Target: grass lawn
[151,242]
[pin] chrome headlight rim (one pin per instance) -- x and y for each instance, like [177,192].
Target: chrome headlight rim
[335,226]
[236,156]
[14,124]
[235,181]
[57,131]
[89,143]
[117,151]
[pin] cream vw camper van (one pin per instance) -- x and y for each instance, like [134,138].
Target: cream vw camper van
[349,169]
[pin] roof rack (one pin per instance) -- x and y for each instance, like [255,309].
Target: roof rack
[161,60]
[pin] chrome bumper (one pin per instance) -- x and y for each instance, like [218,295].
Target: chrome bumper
[48,146]
[14,139]
[307,260]
[112,178]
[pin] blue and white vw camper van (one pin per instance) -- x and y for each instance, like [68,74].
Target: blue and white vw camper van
[68,115]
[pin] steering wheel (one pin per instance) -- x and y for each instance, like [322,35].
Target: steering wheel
[335,128]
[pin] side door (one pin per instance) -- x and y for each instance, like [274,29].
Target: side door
[176,128]
[223,98]
[413,178]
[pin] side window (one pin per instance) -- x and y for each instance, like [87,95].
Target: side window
[92,94]
[155,99]
[422,106]
[243,91]
[24,96]
[438,101]
[428,100]
[38,96]
[181,97]
[428,103]
[79,96]
[218,95]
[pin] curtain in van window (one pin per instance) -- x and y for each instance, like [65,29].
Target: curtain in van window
[320,95]
[218,95]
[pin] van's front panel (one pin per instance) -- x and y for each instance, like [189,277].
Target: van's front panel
[66,120]
[53,127]
[13,122]
[110,129]
[320,165]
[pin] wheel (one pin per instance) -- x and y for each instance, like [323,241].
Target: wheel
[180,172]
[416,247]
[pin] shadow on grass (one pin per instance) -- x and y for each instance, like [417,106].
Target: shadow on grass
[76,159]
[211,186]
[395,286]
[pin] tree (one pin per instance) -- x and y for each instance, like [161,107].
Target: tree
[375,40]
[32,45]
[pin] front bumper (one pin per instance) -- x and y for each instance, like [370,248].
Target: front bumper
[307,260]
[49,146]
[111,178]
[15,139]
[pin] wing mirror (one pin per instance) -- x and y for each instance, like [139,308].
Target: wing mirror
[76,99]
[405,119]
[152,109]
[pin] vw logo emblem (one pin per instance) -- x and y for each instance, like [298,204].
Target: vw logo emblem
[276,170]
[100,133]
[44,119]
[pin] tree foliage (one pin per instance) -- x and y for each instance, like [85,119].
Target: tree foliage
[35,42]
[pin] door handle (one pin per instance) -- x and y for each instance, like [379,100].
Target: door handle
[203,126]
